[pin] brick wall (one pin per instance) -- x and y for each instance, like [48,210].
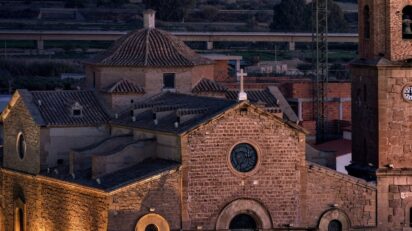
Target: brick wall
[51,206]
[221,70]
[353,196]
[161,194]
[209,183]
[386,30]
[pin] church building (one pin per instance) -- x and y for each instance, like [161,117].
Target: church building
[154,143]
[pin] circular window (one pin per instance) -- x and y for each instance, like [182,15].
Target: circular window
[21,145]
[151,227]
[243,157]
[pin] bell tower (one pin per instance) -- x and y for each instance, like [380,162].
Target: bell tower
[382,108]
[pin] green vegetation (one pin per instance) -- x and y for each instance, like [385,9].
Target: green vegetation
[296,16]
[170,10]
[35,74]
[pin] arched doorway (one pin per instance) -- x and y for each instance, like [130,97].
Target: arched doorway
[244,214]
[334,220]
[335,225]
[243,222]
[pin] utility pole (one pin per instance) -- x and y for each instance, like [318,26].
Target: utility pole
[320,61]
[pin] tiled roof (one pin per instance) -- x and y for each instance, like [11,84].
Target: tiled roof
[150,47]
[118,179]
[125,87]
[55,107]
[163,111]
[207,85]
[255,96]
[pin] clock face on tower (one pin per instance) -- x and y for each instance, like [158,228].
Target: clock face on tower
[407,93]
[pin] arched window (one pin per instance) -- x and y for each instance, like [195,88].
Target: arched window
[19,220]
[152,222]
[243,222]
[151,227]
[335,225]
[21,145]
[410,217]
[407,22]
[367,22]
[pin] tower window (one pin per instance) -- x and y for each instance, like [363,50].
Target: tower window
[367,22]
[169,80]
[407,22]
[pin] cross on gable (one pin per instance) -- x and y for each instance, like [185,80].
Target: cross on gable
[241,74]
[242,93]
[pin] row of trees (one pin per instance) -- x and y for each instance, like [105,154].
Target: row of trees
[296,16]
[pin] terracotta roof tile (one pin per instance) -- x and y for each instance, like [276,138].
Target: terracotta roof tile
[150,47]
[207,85]
[55,108]
[124,87]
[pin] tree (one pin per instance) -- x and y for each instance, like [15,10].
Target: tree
[296,16]
[170,10]
[290,15]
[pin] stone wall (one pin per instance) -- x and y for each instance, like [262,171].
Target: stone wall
[376,43]
[160,195]
[57,142]
[395,200]
[52,206]
[385,30]
[151,79]
[210,184]
[327,189]
[20,120]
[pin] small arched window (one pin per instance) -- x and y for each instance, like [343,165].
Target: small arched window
[407,22]
[151,227]
[19,220]
[367,22]
[335,225]
[21,145]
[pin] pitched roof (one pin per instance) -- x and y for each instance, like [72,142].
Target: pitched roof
[255,96]
[54,108]
[168,107]
[207,85]
[118,179]
[125,87]
[150,47]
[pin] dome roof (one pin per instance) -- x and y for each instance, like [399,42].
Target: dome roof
[150,47]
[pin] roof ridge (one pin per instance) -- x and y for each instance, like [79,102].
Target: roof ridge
[146,58]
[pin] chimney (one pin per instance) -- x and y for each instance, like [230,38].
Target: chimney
[149,19]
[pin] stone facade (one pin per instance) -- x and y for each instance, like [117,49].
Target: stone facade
[205,192]
[381,115]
